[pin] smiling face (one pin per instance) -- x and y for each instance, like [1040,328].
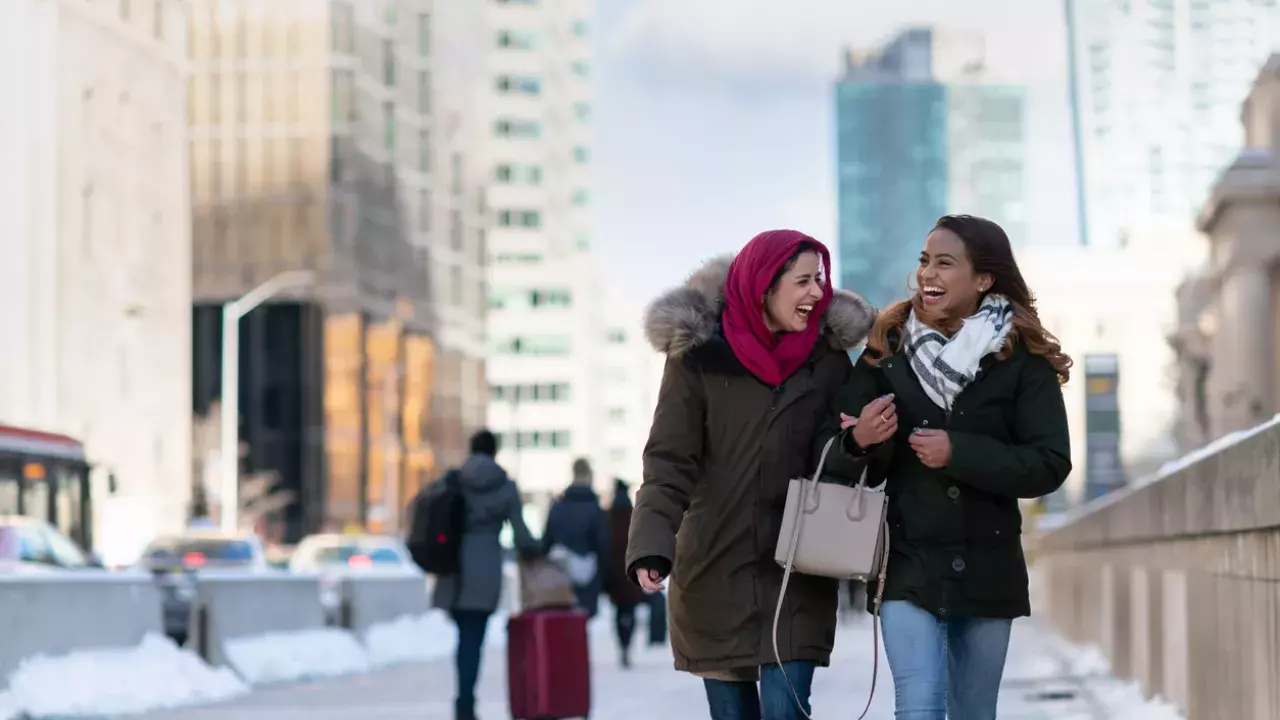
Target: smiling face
[790,301]
[948,284]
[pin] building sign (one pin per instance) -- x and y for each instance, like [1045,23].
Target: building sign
[1104,472]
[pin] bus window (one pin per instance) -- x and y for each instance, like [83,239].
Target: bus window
[68,504]
[8,490]
[35,491]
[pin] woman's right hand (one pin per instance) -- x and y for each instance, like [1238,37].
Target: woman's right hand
[877,423]
[649,579]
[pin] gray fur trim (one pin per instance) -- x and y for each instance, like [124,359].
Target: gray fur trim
[685,317]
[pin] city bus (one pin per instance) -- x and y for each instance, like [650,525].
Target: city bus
[46,476]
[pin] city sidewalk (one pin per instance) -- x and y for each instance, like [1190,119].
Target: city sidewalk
[1039,684]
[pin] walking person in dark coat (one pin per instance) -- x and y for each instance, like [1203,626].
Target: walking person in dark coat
[492,500]
[756,349]
[577,536]
[959,410]
[624,594]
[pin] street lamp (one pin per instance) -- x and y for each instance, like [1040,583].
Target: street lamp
[230,435]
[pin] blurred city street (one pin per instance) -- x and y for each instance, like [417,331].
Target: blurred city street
[1045,682]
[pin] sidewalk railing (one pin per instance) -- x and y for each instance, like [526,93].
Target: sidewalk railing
[1178,580]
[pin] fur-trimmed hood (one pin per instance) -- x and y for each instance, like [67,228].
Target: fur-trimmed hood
[686,317]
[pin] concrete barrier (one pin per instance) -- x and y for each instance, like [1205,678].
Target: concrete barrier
[1178,580]
[231,606]
[57,613]
[371,598]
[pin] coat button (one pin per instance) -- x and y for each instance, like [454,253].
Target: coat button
[953,492]
[926,422]
[958,565]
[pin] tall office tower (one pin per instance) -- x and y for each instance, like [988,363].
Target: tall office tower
[320,142]
[922,133]
[546,312]
[97,248]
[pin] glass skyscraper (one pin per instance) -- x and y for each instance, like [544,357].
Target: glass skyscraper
[919,136]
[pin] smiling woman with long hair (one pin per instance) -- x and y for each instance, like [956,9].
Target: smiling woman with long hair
[956,404]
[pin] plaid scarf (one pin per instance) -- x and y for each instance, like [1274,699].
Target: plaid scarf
[945,365]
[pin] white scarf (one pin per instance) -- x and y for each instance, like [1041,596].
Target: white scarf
[945,365]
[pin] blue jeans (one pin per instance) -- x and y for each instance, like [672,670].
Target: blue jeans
[472,625]
[943,668]
[773,700]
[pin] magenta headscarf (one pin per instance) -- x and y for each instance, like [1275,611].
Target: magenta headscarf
[771,358]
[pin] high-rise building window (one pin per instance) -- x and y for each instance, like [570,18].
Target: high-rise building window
[424,35]
[424,210]
[389,126]
[519,218]
[124,9]
[535,345]
[502,173]
[552,297]
[424,91]
[580,28]
[455,174]
[526,129]
[157,19]
[522,84]
[582,111]
[389,63]
[531,219]
[517,39]
[581,68]
[581,154]
[580,197]
[455,285]
[424,151]
[455,228]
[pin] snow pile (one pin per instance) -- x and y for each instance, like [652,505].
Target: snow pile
[1212,448]
[154,675]
[411,639]
[295,656]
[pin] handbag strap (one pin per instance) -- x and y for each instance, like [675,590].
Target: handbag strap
[786,580]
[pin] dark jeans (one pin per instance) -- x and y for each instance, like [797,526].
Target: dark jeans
[773,699]
[624,621]
[472,625]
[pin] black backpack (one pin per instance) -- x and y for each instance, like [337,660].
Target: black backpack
[439,520]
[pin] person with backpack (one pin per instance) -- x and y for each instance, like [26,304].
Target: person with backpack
[472,503]
[577,536]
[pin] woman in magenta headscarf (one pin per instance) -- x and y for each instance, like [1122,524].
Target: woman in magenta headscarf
[755,350]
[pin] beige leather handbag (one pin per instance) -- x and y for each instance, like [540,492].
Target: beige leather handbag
[833,531]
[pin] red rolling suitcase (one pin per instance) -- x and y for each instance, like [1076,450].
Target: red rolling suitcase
[548,665]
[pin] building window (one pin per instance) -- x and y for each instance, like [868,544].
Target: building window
[617,336]
[540,392]
[580,28]
[389,126]
[455,174]
[617,455]
[533,174]
[534,439]
[502,174]
[424,151]
[455,285]
[582,111]
[424,91]
[124,10]
[424,210]
[583,241]
[581,68]
[617,416]
[525,129]
[531,219]
[424,35]
[519,218]
[536,345]
[455,228]
[518,258]
[517,39]
[580,197]
[581,154]
[482,252]
[558,298]
[389,63]
[519,84]
[157,19]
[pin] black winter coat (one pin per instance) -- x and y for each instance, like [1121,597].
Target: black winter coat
[955,532]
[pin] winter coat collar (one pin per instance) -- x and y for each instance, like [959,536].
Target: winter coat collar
[685,317]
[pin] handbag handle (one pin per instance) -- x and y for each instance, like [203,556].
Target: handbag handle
[801,511]
[857,508]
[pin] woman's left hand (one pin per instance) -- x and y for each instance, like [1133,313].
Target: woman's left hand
[933,447]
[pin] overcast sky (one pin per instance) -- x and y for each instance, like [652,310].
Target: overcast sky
[714,124]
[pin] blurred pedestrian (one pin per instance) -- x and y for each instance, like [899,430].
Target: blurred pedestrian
[624,594]
[492,500]
[959,410]
[756,349]
[577,536]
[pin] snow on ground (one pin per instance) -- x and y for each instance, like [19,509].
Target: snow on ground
[155,674]
[297,655]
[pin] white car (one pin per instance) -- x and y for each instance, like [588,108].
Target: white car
[335,556]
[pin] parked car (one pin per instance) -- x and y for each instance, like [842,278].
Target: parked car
[31,545]
[176,560]
[335,556]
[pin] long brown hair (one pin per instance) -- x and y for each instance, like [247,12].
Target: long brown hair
[990,252]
